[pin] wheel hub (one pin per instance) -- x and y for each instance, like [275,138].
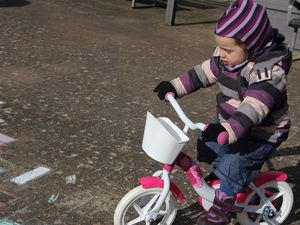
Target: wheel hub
[268,214]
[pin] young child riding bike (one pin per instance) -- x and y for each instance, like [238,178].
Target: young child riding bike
[250,64]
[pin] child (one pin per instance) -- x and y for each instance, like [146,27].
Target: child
[250,65]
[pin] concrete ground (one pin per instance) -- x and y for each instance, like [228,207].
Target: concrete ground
[76,80]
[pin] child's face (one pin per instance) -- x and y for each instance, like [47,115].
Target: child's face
[231,52]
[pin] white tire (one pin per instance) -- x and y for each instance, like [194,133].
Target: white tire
[136,203]
[281,196]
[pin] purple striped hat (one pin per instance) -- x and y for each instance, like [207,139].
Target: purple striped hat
[248,22]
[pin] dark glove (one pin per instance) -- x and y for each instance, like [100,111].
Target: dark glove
[163,88]
[216,133]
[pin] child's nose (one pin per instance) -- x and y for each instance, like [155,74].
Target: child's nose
[222,54]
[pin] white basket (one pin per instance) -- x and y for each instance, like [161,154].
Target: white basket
[163,140]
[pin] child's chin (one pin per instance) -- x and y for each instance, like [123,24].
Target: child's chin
[229,65]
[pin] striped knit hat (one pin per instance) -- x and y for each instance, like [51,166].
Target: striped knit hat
[248,22]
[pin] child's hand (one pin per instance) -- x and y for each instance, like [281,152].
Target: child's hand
[163,88]
[216,133]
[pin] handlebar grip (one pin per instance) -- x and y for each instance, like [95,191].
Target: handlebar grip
[223,138]
[167,95]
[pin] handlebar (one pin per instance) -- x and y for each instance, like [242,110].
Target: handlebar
[188,123]
[222,137]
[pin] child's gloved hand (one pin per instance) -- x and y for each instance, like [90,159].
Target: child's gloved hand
[163,88]
[216,133]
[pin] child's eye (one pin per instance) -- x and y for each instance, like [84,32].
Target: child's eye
[228,51]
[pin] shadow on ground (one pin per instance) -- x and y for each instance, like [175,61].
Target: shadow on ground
[13,3]
[188,215]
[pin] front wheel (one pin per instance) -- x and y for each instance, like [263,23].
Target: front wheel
[136,204]
[281,196]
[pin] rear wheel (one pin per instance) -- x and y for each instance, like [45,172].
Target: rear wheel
[136,204]
[281,196]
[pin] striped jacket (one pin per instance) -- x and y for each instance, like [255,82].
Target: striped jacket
[253,99]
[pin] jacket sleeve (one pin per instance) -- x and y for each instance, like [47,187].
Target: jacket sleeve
[199,76]
[263,92]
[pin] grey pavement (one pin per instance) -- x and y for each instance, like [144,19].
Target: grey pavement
[76,77]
